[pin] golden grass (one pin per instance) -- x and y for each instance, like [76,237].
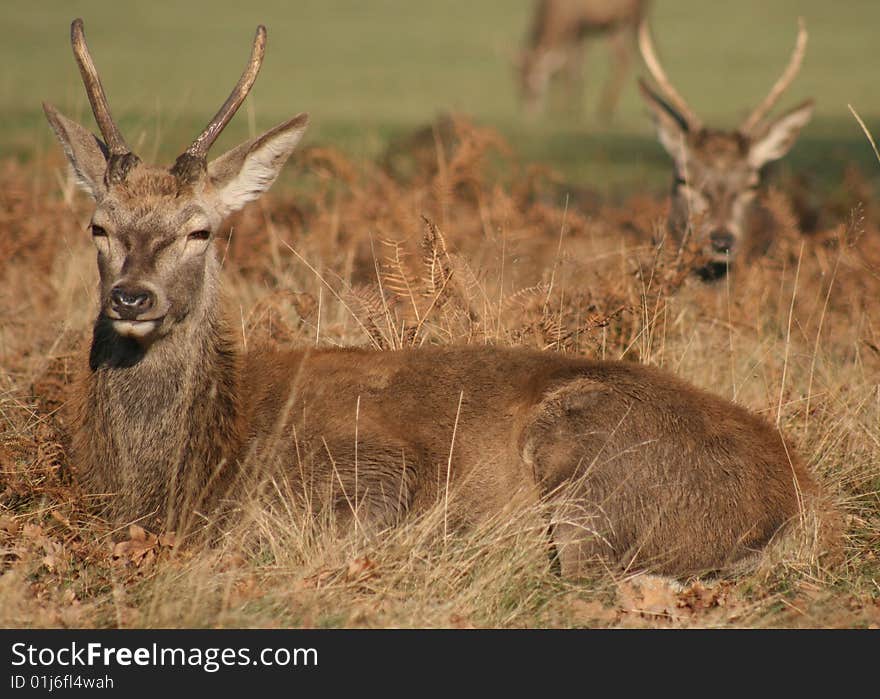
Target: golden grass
[433,249]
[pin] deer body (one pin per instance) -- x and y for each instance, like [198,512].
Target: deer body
[557,42]
[640,467]
[634,466]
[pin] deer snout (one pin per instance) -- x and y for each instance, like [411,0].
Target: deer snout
[722,241]
[130,302]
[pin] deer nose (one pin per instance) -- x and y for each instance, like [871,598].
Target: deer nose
[722,241]
[130,302]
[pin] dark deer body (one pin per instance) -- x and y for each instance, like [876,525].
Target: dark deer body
[557,43]
[718,174]
[634,466]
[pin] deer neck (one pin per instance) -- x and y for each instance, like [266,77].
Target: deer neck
[160,429]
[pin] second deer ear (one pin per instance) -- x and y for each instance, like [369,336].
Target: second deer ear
[85,151]
[777,138]
[244,173]
[672,127]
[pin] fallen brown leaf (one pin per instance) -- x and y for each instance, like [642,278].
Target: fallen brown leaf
[142,548]
[58,517]
[360,569]
[137,533]
[649,595]
[32,531]
[591,613]
[8,525]
[699,597]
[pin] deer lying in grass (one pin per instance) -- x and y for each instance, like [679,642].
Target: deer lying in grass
[718,174]
[634,466]
[557,43]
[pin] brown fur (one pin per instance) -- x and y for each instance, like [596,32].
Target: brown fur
[639,467]
[635,467]
[717,191]
[557,42]
[718,175]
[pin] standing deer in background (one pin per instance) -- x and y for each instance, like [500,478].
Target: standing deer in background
[718,174]
[557,43]
[632,465]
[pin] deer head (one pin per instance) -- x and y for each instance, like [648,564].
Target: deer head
[153,226]
[718,173]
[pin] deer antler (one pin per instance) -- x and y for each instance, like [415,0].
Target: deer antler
[646,46]
[794,66]
[95,91]
[121,158]
[194,156]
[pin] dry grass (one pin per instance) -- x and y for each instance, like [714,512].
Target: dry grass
[429,248]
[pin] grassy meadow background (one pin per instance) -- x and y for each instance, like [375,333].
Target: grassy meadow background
[368,70]
[539,234]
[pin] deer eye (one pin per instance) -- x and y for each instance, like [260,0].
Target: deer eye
[97,231]
[199,235]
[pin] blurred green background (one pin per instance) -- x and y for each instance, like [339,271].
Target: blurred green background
[370,69]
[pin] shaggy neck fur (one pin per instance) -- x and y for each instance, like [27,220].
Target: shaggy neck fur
[160,424]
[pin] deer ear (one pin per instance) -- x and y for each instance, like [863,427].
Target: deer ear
[244,173]
[777,138]
[672,127]
[85,151]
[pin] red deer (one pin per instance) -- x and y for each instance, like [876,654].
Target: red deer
[718,174]
[633,465]
[557,43]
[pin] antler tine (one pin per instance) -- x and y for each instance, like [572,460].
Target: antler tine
[646,46]
[794,66]
[199,147]
[95,91]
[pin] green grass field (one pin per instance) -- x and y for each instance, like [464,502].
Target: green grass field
[368,70]
[342,257]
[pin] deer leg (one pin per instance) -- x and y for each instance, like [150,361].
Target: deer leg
[544,72]
[621,57]
[574,77]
